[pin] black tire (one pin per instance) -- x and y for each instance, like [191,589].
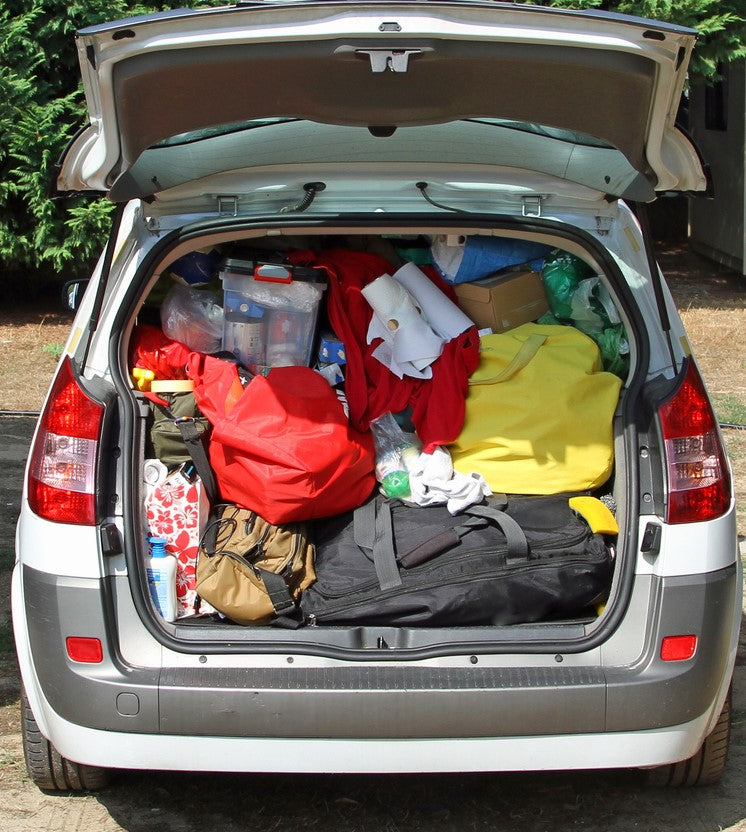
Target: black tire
[705,767]
[47,768]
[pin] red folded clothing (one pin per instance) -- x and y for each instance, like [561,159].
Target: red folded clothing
[371,388]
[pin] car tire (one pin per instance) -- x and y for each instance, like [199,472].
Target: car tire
[706,766]
[47,768]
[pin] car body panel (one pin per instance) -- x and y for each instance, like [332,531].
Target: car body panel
[387,705]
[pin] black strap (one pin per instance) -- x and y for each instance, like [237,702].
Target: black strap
[194,444]
[364,527]
[374,535]
[479,516]
[514,535]
[278,592]
[384,557]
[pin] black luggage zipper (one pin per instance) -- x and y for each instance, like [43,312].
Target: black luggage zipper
[242,559]
[455,559]
[475,578]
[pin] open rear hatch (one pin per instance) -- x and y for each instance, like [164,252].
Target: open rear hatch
[601,90]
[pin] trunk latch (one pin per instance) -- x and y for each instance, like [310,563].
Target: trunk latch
[392,60]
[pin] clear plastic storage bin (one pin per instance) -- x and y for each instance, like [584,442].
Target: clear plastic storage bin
[270,312]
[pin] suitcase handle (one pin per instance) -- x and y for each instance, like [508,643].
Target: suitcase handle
[429,549]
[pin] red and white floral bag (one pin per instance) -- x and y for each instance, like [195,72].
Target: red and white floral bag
[177,510]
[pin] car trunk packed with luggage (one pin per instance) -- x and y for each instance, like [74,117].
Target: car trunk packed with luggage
[380,435]
[378,444]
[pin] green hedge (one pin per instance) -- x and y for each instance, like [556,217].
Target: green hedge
[41,107]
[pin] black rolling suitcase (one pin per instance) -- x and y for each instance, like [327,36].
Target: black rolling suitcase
[504,561]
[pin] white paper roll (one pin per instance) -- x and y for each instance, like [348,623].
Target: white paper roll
[411,343]
[440,312]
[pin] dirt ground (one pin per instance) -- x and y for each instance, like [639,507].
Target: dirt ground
[713,304]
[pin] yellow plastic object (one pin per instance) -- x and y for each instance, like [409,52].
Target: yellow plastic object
[142,378]
[539,413]
[596,514]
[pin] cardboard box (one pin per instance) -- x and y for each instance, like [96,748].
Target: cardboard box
[503,301]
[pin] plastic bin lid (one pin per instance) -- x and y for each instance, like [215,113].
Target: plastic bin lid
[273,272]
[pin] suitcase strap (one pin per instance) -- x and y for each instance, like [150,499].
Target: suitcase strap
[374,534]
[195,446]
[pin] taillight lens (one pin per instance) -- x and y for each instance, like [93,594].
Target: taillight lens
[698,478]
[62,473]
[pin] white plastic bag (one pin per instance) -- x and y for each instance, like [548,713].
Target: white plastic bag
[194,317]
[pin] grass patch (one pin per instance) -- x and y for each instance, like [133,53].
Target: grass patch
[55,350]
[735,443]
[730,409]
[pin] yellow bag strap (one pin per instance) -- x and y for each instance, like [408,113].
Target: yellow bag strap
[527,351]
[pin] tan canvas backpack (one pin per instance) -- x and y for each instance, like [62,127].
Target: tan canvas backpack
[250,570]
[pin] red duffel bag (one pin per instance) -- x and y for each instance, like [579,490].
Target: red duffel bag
[282,446]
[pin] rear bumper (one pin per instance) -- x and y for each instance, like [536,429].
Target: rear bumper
[353,756]
[336,716]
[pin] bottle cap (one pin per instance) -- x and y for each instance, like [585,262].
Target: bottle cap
[157,547]
[396,484]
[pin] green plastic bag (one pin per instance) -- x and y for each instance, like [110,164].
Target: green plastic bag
[562,274]
[614,347]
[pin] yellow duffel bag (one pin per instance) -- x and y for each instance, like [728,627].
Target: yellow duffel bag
[539,413]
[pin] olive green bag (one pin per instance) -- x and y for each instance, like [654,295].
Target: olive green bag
[166,436]
[251,571]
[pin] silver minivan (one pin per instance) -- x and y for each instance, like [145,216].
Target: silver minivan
[282,125]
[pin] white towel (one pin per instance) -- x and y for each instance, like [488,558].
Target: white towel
[433,481]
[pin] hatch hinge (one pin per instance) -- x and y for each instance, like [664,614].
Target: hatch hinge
[227,204]
[391,60]
[603,225]
[531,206]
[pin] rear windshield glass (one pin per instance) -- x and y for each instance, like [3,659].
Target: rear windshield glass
[238,126]
[219,130]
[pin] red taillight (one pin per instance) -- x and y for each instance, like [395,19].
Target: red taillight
[84,649]
[678,648]
[62,481]
[698,477]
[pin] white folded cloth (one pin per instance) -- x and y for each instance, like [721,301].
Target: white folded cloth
[433,481]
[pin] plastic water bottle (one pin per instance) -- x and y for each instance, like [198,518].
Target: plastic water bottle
[391,445]
[162,578]
[392,475]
